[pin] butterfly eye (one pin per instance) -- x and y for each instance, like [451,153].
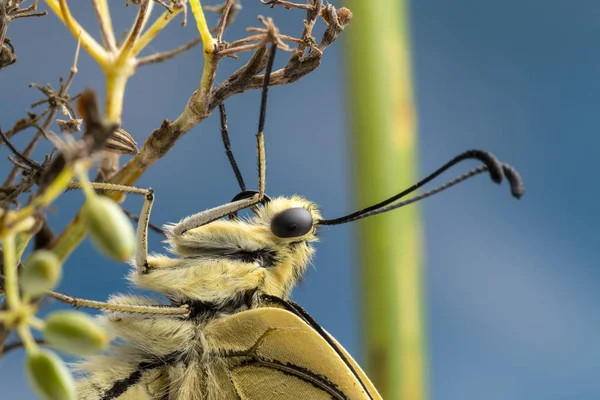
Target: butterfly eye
[293,222]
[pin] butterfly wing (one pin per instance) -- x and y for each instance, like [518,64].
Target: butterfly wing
[281,356]
[274,352]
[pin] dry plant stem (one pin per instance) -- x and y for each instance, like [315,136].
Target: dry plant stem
[105,23]
[6,16]
[134,33]
[160,23]
[286,4]
[19,344]
[48,121]
[244,41]
[223,20]
[166,55]
[54,190]
[4,21]
[311,17]
[203,102]
[10,270]
[24,123]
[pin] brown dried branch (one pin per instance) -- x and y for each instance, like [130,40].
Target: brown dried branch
[231,15]
[285,4]
[25,123]
[55,101]
[136,30]
[268,34]
[166,55]
[9,11]
[108,38]
[183,5]
[297,67]
[224,20]
[159,2]
[21,157]
[94,138]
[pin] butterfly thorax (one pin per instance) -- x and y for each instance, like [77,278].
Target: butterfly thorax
[222,262]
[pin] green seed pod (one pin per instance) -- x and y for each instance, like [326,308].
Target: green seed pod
[75,333]
[110,229]
[41,272]
[49,376]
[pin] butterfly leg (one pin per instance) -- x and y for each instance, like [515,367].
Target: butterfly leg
[140,309]
[141,255]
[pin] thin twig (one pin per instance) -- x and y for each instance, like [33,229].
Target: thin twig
[286,4]
[311,18]
[136,30]
[223,20]
[54,105]
[136,218]
[268,34]
[106,30]
[34,14]
[246,40]
[24,123]
[29,162]
[166,55]
[17,345]
[4,21]
[72,72]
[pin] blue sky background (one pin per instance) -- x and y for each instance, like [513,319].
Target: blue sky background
[511,287]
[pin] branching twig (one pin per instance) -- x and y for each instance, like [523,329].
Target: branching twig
[105,23]
[9,11]
[285,4]
[18,344]
[166,55]
[55,100]
[224,19]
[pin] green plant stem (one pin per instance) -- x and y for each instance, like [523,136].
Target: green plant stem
[385,159]
[11,286]
[27,338]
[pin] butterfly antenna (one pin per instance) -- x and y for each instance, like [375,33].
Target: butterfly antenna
[227,145]
[496,169]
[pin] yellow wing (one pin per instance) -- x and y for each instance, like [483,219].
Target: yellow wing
[274,352]
[281,356]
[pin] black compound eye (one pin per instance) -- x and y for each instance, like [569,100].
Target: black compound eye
[293,222]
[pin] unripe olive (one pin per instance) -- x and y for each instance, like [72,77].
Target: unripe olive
[49,376]
[110,229]
[75,333]
[41,272]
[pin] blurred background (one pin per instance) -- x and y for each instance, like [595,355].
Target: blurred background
[510,287]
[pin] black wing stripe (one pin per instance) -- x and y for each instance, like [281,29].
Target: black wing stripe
[122,385]
[301,373]
[301,313]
